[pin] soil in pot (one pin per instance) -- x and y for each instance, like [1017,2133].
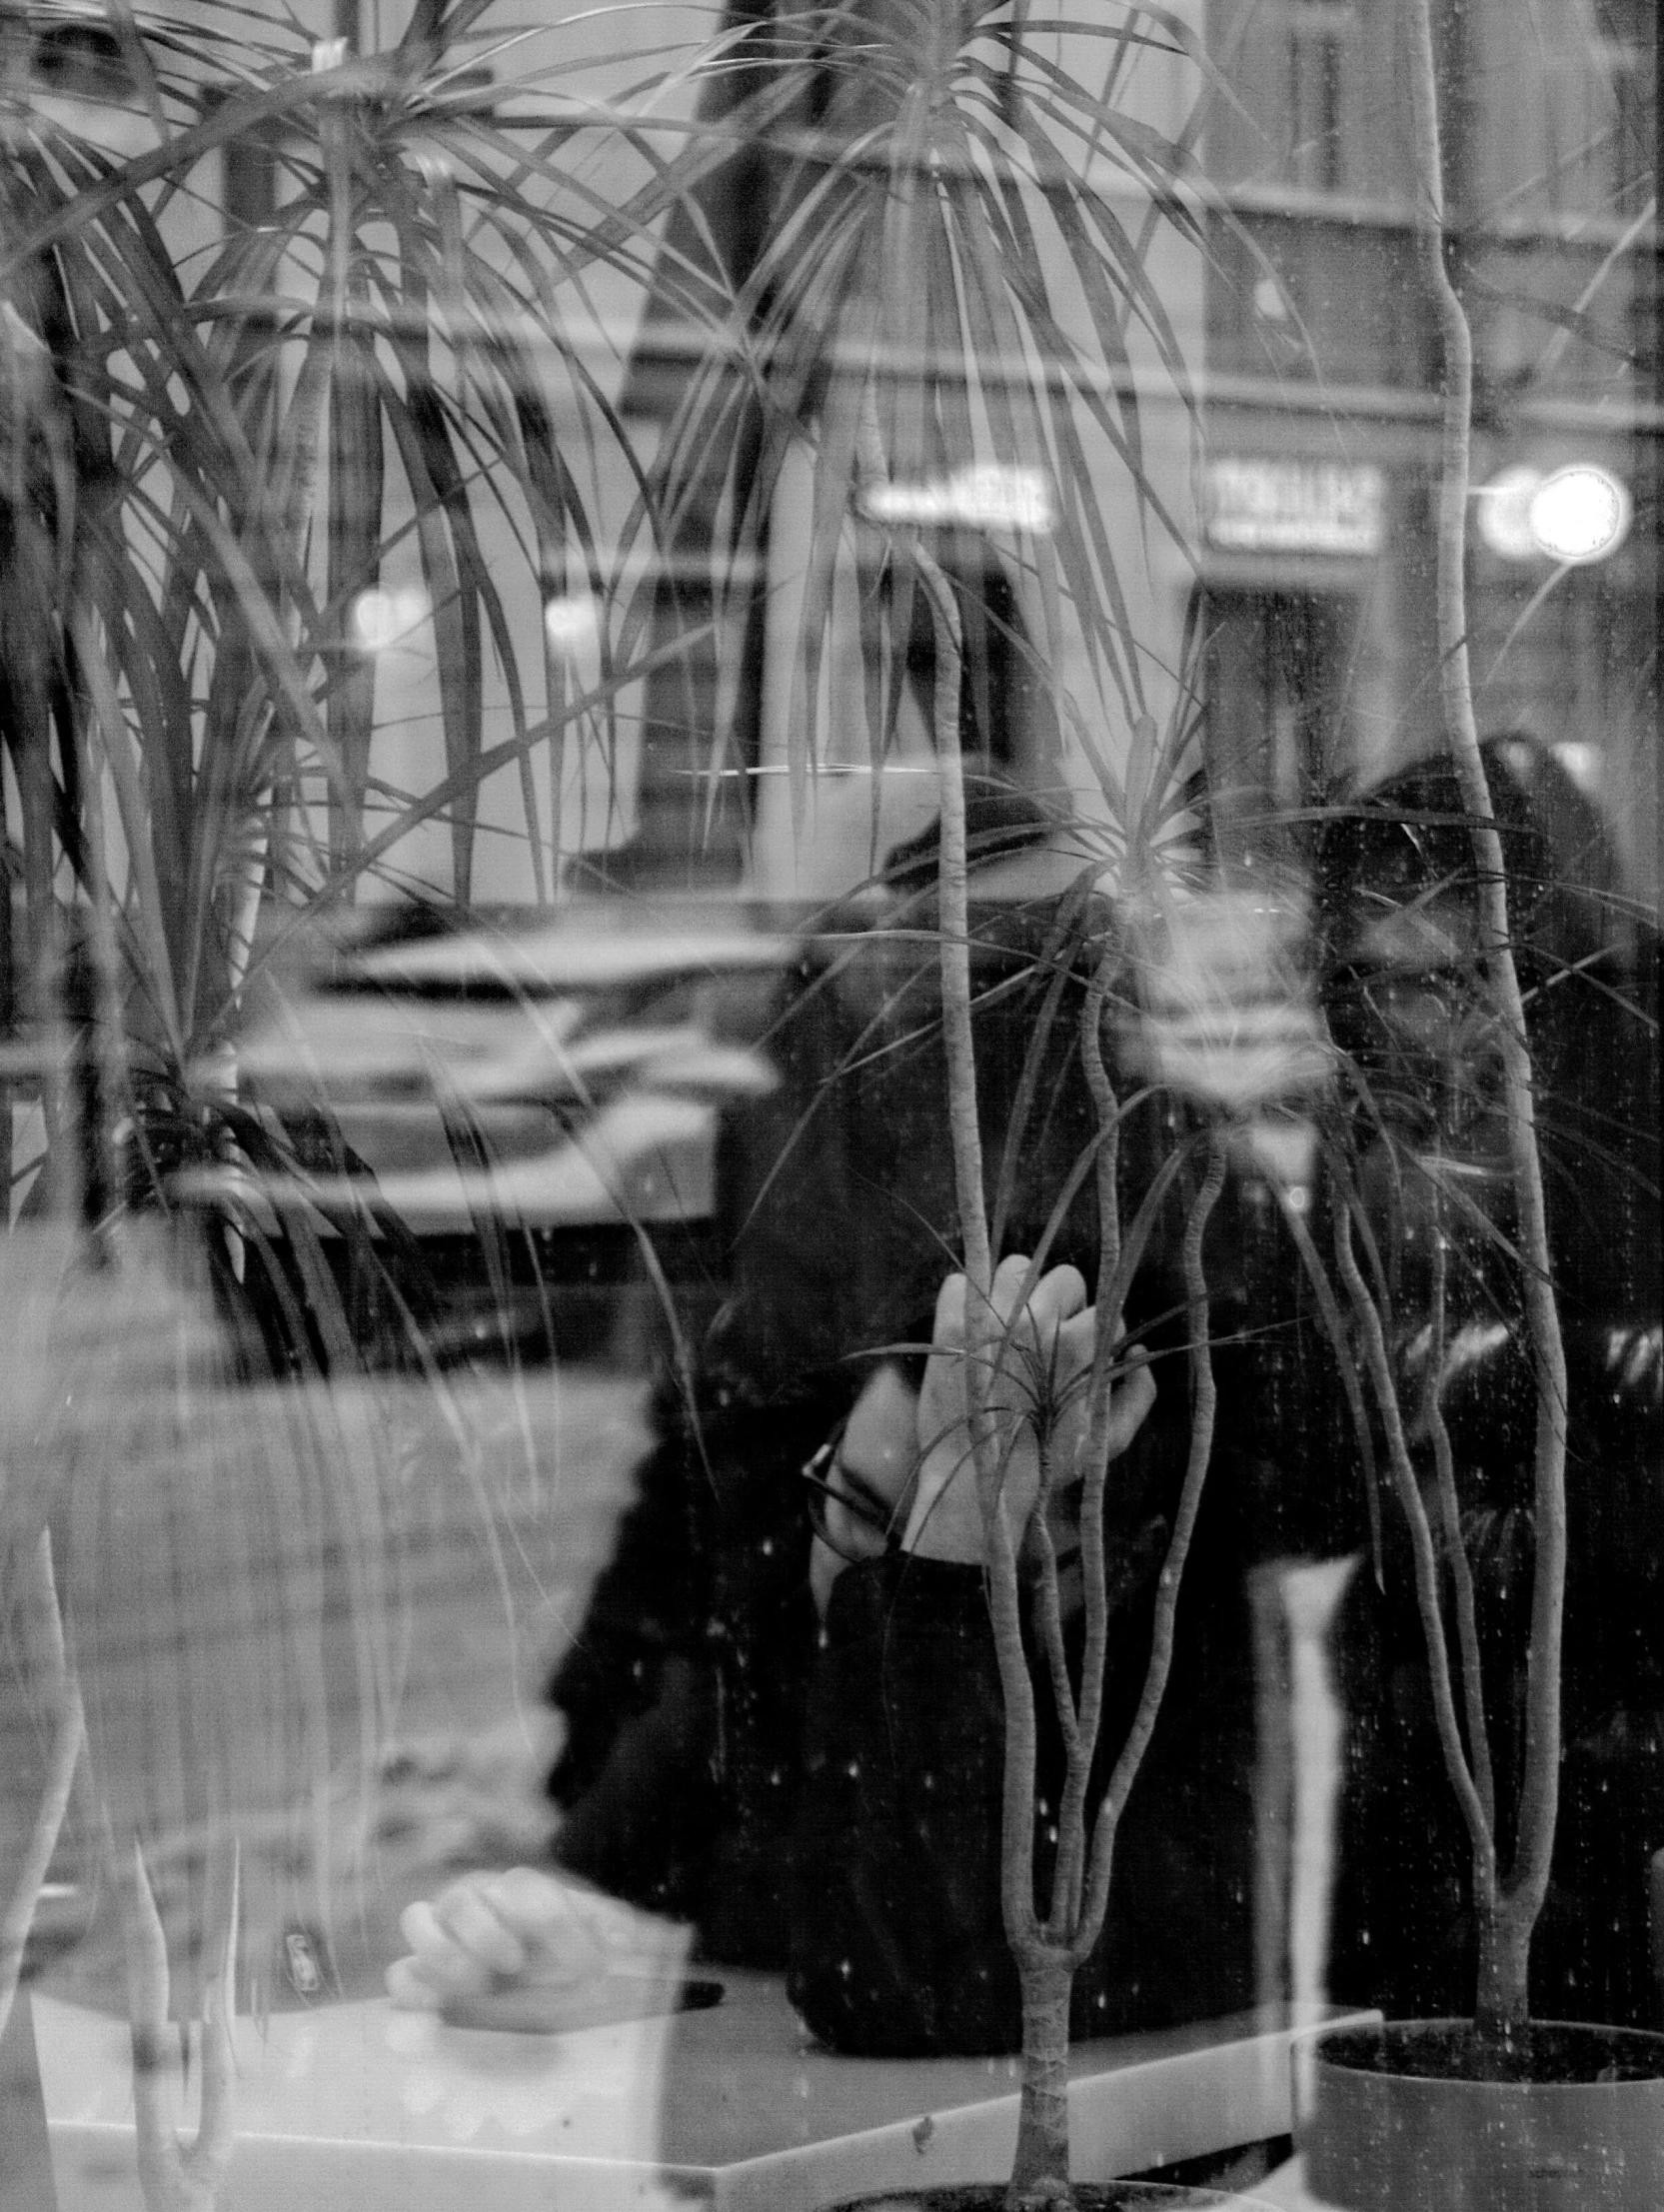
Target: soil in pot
[1417,2116]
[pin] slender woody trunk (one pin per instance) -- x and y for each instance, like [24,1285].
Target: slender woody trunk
[1505,1925]
[69,1727]
[1500,2000]
[1041,2172]
[175,2175]
[1047,1957]
[1045,1973]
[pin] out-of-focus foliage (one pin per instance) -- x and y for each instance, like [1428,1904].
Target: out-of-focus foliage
[276,320]
[948,290]
[220,435]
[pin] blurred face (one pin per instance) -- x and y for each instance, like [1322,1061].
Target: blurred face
[1423,1030]
[1422,1033]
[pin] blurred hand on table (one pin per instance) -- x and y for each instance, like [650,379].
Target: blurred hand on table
[493,1931]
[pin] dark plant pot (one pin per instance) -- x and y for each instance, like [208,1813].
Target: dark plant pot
[1089,2196]
[1399,2120]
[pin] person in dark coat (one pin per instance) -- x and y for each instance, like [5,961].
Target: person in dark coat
[847,1825]
[782,1716]
[1396,881]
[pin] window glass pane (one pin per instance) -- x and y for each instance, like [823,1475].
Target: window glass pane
[829,1013]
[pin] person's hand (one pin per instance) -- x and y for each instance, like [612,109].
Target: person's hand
[487,1932]
[1041,1363]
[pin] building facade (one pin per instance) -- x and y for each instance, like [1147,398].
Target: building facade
[1322,390]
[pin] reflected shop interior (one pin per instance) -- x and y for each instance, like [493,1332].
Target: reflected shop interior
[829,1014]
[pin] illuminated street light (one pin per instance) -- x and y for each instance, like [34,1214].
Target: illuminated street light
[1580,514]
[382,619]
[571,623]
[1574,516]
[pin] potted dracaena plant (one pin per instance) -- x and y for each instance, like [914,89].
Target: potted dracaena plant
[218,439]
[1050,1942]
[1458,2114]
[917,262]
[967,204]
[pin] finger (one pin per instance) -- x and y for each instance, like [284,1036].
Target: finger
[410,1988]
[1130,1400]
[1071,1352]
[1060,1295]
[531,1902]
[947,1334]
[1129,1407]
[549,1916]
[463,1914]
[439,1960]
[1009,1280]
[421,1930]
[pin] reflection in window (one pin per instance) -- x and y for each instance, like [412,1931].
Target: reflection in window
[1319,37]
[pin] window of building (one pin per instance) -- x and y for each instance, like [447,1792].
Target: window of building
[756,1017]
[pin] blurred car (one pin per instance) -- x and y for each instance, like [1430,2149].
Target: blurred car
[535,1103]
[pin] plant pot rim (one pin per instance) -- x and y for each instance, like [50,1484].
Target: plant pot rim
[1124,2191]
[1639,2051]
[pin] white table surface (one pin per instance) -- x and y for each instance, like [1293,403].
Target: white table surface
[356,2103]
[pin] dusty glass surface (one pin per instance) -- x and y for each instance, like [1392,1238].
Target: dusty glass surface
[831,1087]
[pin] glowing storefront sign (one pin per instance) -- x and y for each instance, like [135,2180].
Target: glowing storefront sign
[1291,505]
[985,497]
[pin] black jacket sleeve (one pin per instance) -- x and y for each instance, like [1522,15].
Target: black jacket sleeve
[682,1693]
[897,1942]
[897,1939]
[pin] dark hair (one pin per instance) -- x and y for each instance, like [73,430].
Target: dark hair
[1588,966]
[1412,838]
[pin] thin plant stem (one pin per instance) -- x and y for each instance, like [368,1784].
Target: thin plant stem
[981,1333]
[8,1017]
[1480,1832]
[1049,1621]
[1329,1310]
[1203,1405]
[69,1730]
[174,2176]
[1527,1883]
[1071,1818]
[1462,1569]
[1041,2167]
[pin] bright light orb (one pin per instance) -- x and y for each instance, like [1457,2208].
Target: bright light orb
[571,623]
[1580,514]
[382,619]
